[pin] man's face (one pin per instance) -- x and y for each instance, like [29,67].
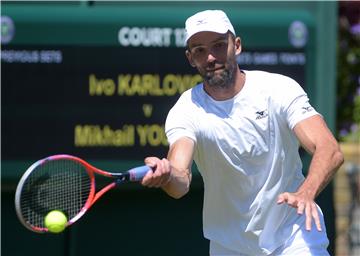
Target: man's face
[214,56]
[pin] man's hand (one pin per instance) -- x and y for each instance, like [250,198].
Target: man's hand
[303,203]
[160,174]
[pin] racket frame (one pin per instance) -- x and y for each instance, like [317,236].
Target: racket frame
[134,174]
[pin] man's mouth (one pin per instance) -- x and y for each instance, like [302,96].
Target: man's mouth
[214,69]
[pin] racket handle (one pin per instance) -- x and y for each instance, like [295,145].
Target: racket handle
[138,173]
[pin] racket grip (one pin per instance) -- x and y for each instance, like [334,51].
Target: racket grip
[138,173]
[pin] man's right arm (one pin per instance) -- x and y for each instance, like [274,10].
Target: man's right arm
[172,174]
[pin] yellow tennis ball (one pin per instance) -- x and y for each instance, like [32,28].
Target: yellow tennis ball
[56,221]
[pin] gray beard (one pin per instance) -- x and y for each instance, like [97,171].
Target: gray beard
[224,80]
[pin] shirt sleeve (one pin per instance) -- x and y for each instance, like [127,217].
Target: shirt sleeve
[295,104]
[180,122]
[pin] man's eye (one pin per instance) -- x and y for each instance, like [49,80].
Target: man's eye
[220,45]
[198,50]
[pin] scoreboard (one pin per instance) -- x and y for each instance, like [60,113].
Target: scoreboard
[103,102]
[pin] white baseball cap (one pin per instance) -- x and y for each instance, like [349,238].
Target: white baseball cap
[209,20]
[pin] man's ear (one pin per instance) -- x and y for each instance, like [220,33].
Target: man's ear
[238,45]
[189,57]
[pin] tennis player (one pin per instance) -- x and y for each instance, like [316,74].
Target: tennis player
[243,129]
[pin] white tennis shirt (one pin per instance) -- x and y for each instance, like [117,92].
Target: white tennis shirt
[247,155]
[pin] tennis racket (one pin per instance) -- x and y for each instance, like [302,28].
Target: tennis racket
[65,183]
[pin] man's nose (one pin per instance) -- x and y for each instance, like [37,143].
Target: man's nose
[210,57]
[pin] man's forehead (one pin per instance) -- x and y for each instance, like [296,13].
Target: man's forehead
[205,37]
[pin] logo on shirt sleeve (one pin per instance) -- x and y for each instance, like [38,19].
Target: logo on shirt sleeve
[307,109]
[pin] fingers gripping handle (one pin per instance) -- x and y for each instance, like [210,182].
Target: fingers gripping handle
[138,173]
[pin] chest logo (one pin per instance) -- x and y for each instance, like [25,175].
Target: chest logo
[261,114]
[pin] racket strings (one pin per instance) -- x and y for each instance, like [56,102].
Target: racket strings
[55,185]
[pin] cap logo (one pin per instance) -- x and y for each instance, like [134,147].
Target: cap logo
[200,22]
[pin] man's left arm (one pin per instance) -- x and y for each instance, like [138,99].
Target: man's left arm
[316,138]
